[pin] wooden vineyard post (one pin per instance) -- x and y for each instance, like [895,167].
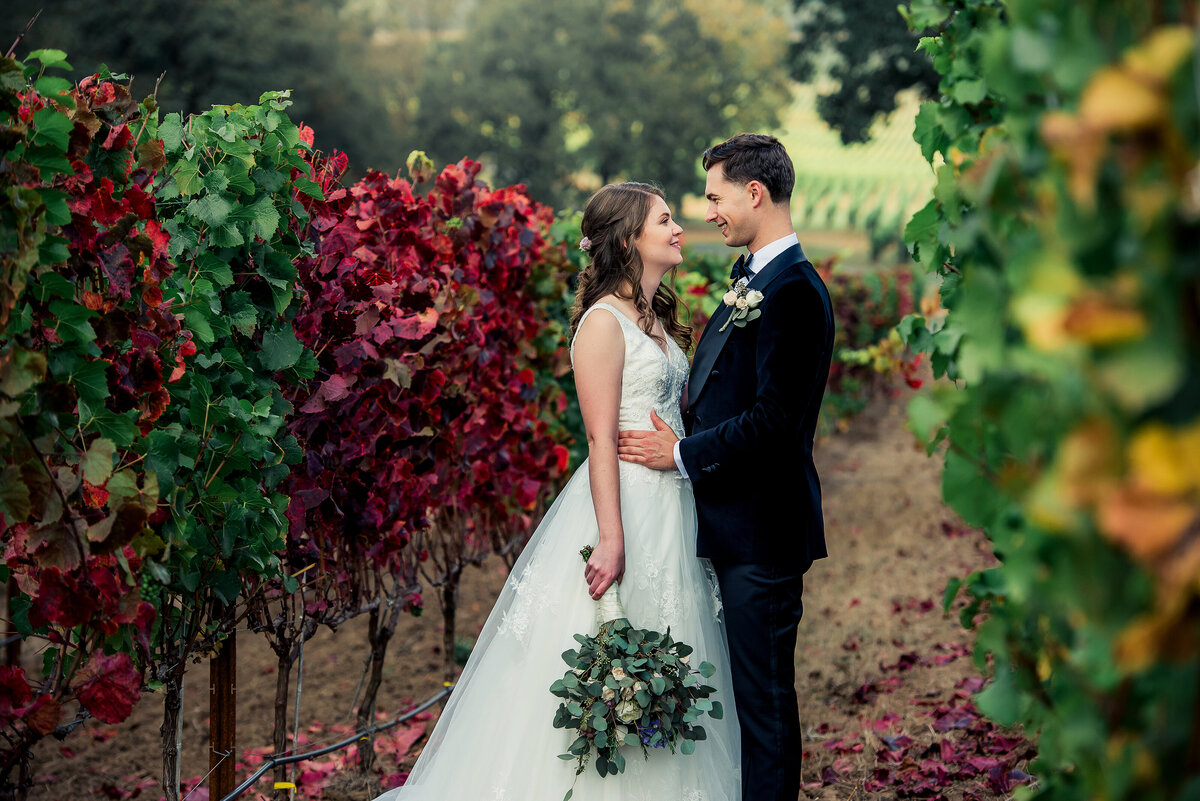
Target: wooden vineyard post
[12,651]
[222,709]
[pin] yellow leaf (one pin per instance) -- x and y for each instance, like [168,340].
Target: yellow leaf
[1189,453]
[1157,58]
[1169,632]
[1137,647]
[1062,130]
[1085,469]
[1098,320]
[420,166]
[1043,287]
[1146,524]
[1048,507]
[1041,317]
[1116,100]
[1045,668]
[1089,461]
[1081,145]
[1158,462]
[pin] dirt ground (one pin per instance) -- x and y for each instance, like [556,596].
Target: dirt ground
[883,676]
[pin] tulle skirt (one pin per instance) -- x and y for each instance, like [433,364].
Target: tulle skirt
[494,741]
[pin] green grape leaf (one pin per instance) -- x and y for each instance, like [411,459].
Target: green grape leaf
[211,209]
[280,349]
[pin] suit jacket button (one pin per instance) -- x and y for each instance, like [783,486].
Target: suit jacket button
[715,374]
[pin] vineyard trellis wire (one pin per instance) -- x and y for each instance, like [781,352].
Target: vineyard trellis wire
[276,761]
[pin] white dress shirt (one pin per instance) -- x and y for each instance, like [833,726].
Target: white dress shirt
[765,255]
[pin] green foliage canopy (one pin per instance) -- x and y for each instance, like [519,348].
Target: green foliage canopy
[1064,227]
[547,92]
[220,51]
[867,52]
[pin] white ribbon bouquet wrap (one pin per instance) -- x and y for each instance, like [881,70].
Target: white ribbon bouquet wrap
[608,606]
[628,687]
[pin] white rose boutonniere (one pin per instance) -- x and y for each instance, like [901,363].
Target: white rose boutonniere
[745,303]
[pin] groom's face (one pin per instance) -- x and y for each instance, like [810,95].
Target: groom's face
[729,207]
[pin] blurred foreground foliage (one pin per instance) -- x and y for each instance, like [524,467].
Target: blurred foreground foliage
[1065,228]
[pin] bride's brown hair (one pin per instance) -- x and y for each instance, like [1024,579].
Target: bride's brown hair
[613,219]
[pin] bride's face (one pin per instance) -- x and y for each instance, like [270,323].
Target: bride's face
[660,242]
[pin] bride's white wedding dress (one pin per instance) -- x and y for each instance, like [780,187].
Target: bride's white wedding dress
[494,741]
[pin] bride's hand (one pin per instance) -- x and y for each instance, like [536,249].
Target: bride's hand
[606,565]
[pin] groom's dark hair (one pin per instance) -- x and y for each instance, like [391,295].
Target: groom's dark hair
[755,157]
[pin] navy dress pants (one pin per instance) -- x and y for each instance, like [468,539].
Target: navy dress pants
[763,607]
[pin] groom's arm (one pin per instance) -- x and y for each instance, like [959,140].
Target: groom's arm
[794,337]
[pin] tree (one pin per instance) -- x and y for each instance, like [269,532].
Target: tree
[868,52]
[229,51]
[568,96]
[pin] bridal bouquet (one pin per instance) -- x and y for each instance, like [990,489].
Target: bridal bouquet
[630,687]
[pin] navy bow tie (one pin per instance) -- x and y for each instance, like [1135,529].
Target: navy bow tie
[740,269]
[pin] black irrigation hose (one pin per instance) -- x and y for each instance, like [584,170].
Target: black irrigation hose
[287,760]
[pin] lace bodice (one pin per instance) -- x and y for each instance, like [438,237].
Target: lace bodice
[651,378]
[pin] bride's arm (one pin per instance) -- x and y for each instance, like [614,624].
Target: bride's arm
[599,357]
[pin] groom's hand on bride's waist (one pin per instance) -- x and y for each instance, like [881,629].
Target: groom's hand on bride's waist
[654,449]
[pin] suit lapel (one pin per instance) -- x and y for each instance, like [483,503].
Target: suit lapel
[793,255]
[711,343]
[713,340]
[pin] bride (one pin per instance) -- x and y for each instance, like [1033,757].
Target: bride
[494,740]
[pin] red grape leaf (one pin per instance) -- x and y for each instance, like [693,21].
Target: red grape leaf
[14,692]
[60,600]
[415,326]
[43,715]
[151,155]
[108,687]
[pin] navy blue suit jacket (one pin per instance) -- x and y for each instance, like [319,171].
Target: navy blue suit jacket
[753,398]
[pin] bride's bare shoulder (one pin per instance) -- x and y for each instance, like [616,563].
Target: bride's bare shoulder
[605,324]
[622,305]
[599,341]
[610,300]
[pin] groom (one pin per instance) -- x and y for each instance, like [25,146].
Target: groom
[751,412]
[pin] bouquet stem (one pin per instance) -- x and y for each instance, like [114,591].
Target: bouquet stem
[628,687]
[609,608]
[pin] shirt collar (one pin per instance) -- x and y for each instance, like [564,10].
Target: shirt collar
[767,253]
